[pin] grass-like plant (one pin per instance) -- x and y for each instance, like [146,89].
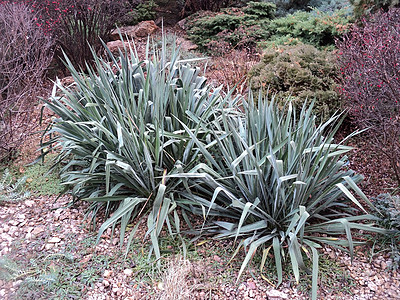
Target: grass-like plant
[121,129]
[12,191]
[389,206]
[281,184]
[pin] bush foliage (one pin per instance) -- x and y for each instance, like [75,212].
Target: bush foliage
[11,191]
[278,180]
[76,24]
[331,5]
[301,72]
[315,27]
[231,28]
[370,79]
[256,24]
[142,11]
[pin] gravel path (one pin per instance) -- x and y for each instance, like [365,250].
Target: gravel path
[39,226]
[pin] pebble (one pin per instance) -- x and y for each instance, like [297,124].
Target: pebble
[54,240]
[29,203]
[107,273]
[37,230]
[251,285]
[128,272]
[217,258]
[49,246]
[275,294]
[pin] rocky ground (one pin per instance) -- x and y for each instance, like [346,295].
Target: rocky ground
[39,238]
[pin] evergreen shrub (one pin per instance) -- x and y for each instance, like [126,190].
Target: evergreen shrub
[301,72]
[231,28]
[315,27]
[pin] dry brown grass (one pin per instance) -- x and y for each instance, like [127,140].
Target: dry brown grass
[175,280]
[232,69]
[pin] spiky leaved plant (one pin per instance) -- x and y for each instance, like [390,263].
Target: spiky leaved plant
[282,184]
[120,130]
[12,192]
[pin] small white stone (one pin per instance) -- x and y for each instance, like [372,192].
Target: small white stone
[128,272]
[107,273]
[37,230]
[6,237]
[372,286]
[49,246]
[275,294]
[54,240]
[29,203]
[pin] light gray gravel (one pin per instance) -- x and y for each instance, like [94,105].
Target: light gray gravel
[39,218]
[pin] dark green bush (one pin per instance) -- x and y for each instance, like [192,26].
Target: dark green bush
[255,24]
[233,27]
[285,7]
[302,72]
[142,12]
[316,28]
[389,207]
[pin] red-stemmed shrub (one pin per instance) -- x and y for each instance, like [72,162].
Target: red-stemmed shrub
[76,24]
[369,60]
[25,54]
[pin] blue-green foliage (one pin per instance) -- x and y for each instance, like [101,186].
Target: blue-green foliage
[331,5]
[256,24]
[389,207]
[11,191]
[315,27]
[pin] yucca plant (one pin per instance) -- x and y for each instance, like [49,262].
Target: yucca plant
[121,131]
[282,185]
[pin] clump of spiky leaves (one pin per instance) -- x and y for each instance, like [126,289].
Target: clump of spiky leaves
[12,192]
[389,207]
[282,185]
[35,274]
[120,129]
